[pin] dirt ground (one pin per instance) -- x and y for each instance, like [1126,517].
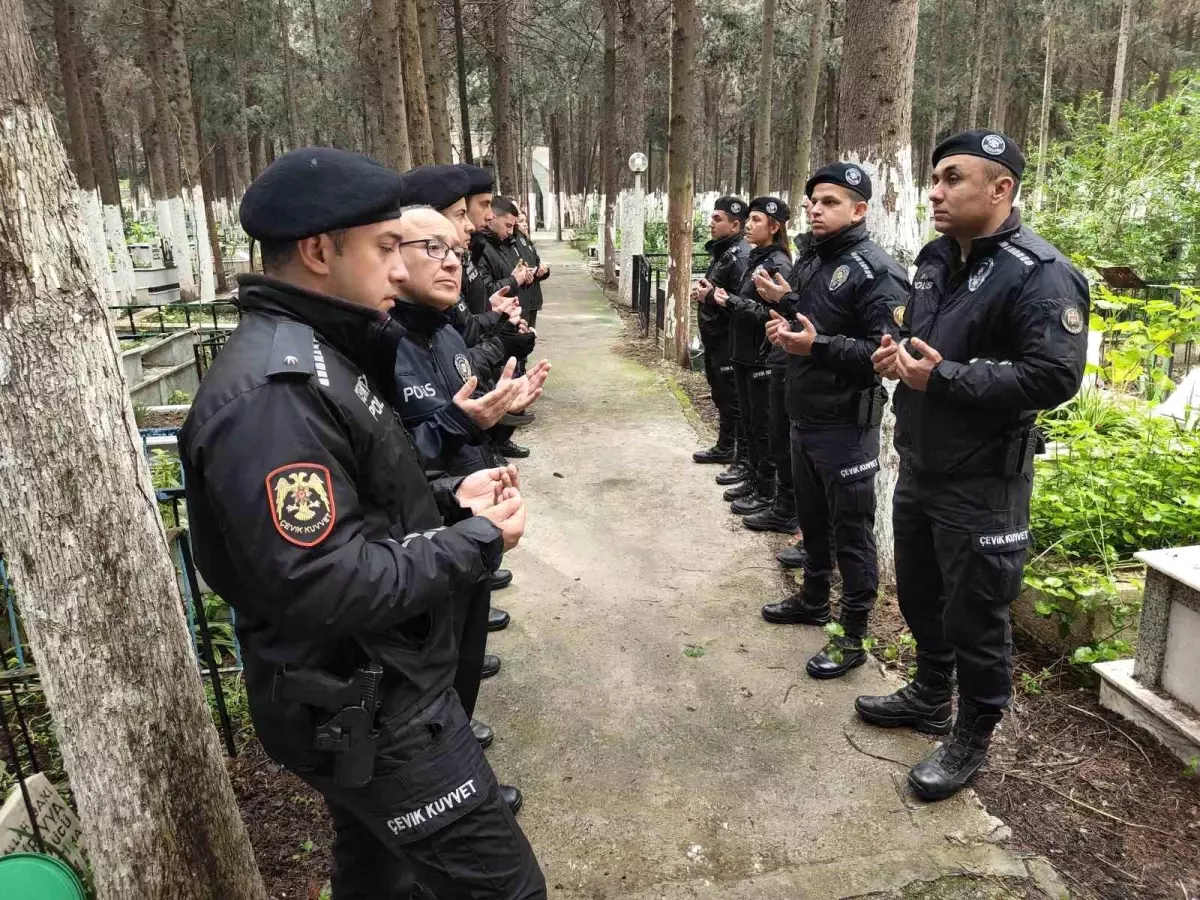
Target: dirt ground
[1116,813]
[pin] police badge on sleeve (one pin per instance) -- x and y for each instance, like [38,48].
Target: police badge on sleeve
[300,497]
[1072,319]
[463,366]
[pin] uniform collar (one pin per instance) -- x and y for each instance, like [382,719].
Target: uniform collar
[761,253]
[947,247]
[840,241]
[420,318]
[349,328]
[717,246]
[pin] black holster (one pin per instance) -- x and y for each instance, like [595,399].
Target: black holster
[350,733]
[1019,451]
[871,404]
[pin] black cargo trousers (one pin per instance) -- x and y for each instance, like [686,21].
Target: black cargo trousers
[960,556]
[754,404]
[431,815]
[718,370]
[834,474]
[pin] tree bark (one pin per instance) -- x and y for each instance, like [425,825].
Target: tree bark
[1000,90]
[934,116]
[832,71]
[808,99]
[633,43]
[1047,100]
[502,112]
[464,106]
[135,732]
[319,59]
[65,39]
[680,194]
[208,183]
[981,37]
[291,114]
[416,100]
[875,128]
[737,163]
[762,117]
[556,175]
[609,148]
[395,151]
[435,82]
[179,86]
[1118,83]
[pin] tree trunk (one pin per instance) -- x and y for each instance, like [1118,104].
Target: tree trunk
[464,106]
[633,97]
[319,59]
[762,117]
[291,114]
[1118,82]
[875,128]
[208,183]
[934,116]
[609,147]
[832,70]
[737,163]
[1000,91]
[395,151]
[981,35]
[243,155]
[502,112]
[680,195]
[416,100]
[808,99]
[65,38]
[1047,99]
[435,81]
[179,85]
[135,732]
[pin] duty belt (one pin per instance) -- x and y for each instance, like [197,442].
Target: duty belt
[350,734]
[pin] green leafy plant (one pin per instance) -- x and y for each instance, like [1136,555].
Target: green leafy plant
[693,651]
[179,398]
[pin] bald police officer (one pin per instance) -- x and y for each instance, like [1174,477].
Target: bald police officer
[995,330]
[351,573]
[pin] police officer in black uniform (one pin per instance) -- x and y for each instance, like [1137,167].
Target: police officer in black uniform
[767,235]
[531,294]
[834,311]
[351,573]
[995,330]
[729,253]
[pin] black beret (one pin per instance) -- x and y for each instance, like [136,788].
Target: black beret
[735,206]
[481,179]
[848,175]
[985,144]
[773,207]
[315,190]
[436,186]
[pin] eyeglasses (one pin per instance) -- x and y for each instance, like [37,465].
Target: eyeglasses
[435,248]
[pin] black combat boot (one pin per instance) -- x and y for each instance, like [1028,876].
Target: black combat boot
[517,420]
[842,653]
[736,473]
[511,450]
[808,606]
[780,517]
[739,490]
[714,454]
[491,665]
[498,619]
[483,733]
[923,705]
[953,764]
[513,797]
[759,501]
[792,557]
[501,579]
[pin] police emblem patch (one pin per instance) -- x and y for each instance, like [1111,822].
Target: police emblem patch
[735,207]
[1072,319]
[853,176]
[993,144]
[840,274]
[463,365]
[300,497]
[772,207]
[898,315]
[980,274]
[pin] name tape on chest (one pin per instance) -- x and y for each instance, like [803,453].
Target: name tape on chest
[300,499]
[363,392]
[1002,541]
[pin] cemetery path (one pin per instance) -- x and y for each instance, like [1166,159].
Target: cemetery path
[668,740]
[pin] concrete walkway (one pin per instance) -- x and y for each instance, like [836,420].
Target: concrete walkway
[651,772]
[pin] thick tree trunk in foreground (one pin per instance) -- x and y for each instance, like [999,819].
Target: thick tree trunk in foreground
[416,100]
[435,81]
[680,195]
[385,23]
[502,110]
[84,543]
[875,128]
[608,142]
[762,117]
[808,100]
[464,106]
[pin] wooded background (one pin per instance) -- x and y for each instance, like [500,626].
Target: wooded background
[214,89]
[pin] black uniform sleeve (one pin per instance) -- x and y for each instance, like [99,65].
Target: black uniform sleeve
[1048,322]
[875,303]
[751,305]
[320,576]
[444,433]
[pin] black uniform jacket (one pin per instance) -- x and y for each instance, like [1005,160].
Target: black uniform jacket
[749,312]
[725,270]
[531,294]
[849,288]
[1011,326]
[432,365]
[495,260]
[312,516]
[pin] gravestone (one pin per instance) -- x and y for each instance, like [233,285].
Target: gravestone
[1160,689]
[57,821]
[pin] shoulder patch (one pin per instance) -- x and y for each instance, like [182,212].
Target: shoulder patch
[1071,318]
[292,351]
[1034,244]
[300,498]
[863,264]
